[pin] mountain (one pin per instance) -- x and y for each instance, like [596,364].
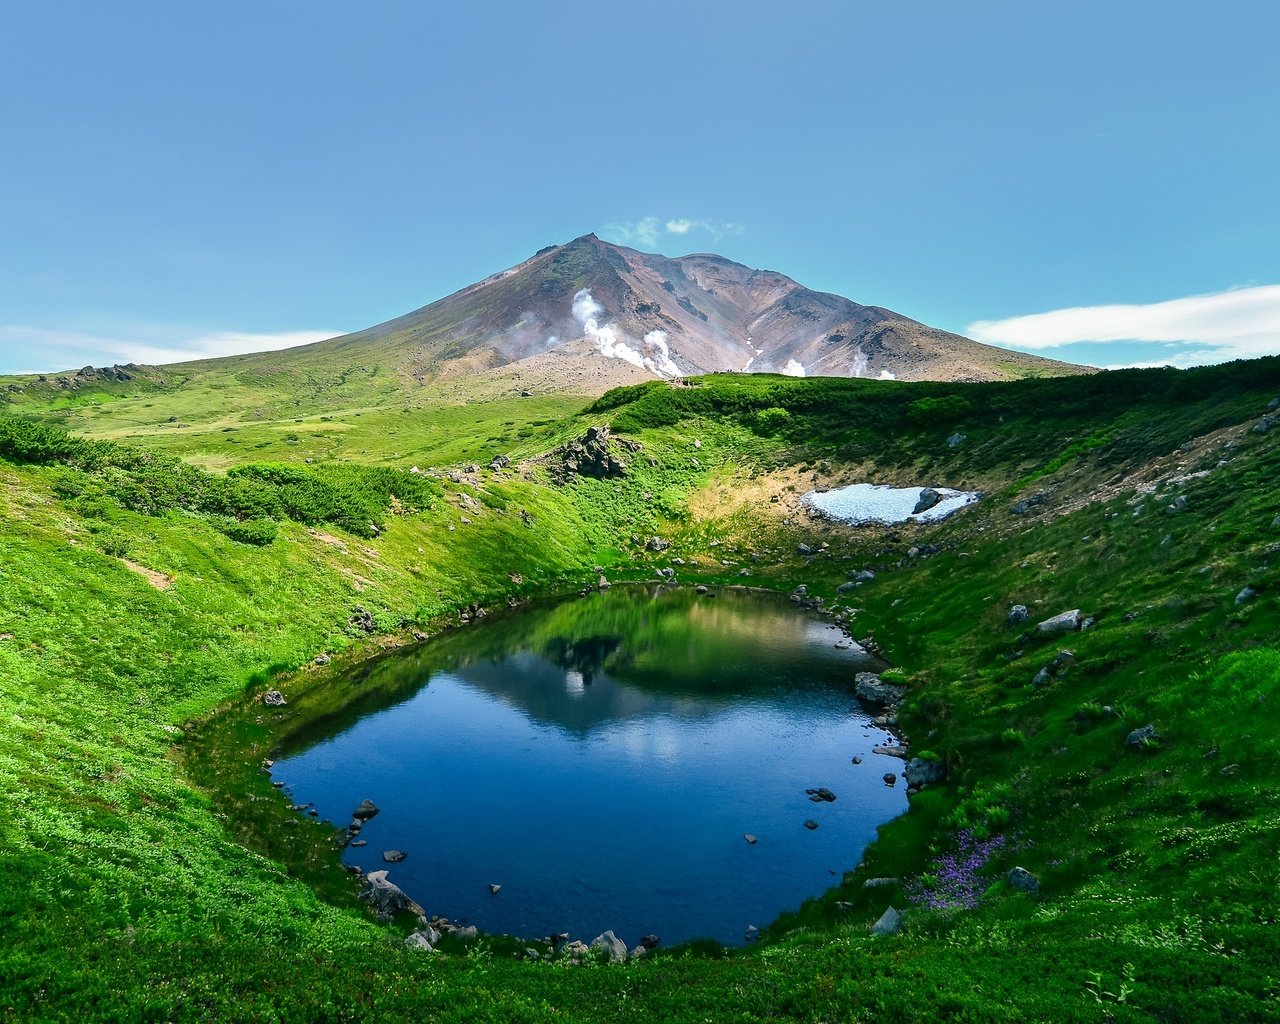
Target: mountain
[589,308]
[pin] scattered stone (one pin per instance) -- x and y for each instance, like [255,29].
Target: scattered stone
[1141,737]
[1228,770]
[1177,505]
[1042,678]
[1210,754]
[612,945]
[879,883]
[920,772]
[469,932]
[889,924]
[603,584]
[810,824]
[1024,881]
[657,544]
[890,779]
[751,840]
[891,750]
[928,498]
[367,809]
[359,842]
[650,941]
[1247,594]
[1264,424]
[844,588]
[752,933]
[701,589]
[803,549]
[274,699]
[821,795]
[1063,622]
[1018,613]
[956,439]
[322,659]
[393,856]
[857,759]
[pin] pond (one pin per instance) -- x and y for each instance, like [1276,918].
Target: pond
[603,760]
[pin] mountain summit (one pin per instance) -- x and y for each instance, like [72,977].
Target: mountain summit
[632,315]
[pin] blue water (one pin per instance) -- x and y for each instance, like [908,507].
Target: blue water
[601,759]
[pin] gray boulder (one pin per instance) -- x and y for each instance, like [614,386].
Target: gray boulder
[1064,622]
[657,544]
[1247,594]
[921,772]
[1141,737]
[274,699]
[870,688]
[844,588]
[367,809]
[393,856]
[1018,613]
[889,924]
[879,883]
[803,549]
[386,897]
[1024,881]
[928,498]
[956,440]
[611,945]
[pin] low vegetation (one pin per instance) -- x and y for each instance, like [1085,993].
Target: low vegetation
[151,876]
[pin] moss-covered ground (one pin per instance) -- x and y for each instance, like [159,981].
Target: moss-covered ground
[149,876]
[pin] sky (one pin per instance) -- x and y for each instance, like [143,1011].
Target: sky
[1095,182]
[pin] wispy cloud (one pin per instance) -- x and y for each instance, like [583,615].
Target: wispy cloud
[649,232]
[27,349]
[1240,323]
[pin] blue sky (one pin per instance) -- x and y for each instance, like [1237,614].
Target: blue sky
[182,179]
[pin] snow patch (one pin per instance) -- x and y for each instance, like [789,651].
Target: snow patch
[877,503]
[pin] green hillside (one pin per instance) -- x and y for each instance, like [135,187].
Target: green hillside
[154,576]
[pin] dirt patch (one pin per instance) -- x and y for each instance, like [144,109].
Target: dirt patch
[157,579]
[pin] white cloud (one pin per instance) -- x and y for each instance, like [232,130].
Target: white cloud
[27,349]
[648,232]
[1240,323]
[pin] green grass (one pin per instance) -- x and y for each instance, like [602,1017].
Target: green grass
[149,875]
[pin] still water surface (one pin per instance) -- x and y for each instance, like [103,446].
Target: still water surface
[602,758]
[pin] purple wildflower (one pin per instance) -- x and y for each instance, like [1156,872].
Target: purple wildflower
[956,881]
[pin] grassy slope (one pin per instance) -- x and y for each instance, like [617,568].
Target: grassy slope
[127,897]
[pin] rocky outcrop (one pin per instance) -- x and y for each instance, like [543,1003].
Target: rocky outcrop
[387,898]
[1024,881]
[594,455]
[921,772]
[1063,622]
[610,944]
[870,688]
[889,923]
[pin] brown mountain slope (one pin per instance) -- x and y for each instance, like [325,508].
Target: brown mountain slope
[653,315]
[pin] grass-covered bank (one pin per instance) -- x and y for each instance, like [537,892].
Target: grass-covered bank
[126,897]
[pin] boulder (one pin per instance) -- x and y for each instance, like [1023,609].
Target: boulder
[274,699]
[1141,737]
[657,544]
[870,688]
[751,840]
[1247,594]
[1018,613]
[1063,622]
[810,824]
[322,659]
[821,795]
[393,856]
[803,549]
[494,888]
[612,945]
[890,923]
[879,883]
[922,772]
[420,941]
[386,897]
[650,941]
[928,498]
[1023,880]
[844,588]
[890,779]
[752,933]
[367,809]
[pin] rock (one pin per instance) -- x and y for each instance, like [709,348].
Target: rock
[499,462]
[359,842]
[890,779]
[750,838]
[1018,613]
[469,932]
[870,688]
[494,888]
[421,941]
[576,949]
[1273,405]
[386,897]
[1247,594]
[367,809]
[821,795]
[701,589]
[879,883]
[638,952]
[650,941]
[1042,678]
[844,588]
[1264,424]
[1228,770]
[889,924]
[1177,505]
[891,750]
[810,824]
[1023,880]
[928,498]
[393,856]
[1141,737]
[603,583]
[322,659]
[1063,622]
[801,591]
[922,772]
[274,699]
[857,759]
[956,440]
[657,544]
[612,945]
[803,549]
[591,455]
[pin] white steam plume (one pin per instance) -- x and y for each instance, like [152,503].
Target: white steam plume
[792,369]
[886,375]
[652,354]
[859,363]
